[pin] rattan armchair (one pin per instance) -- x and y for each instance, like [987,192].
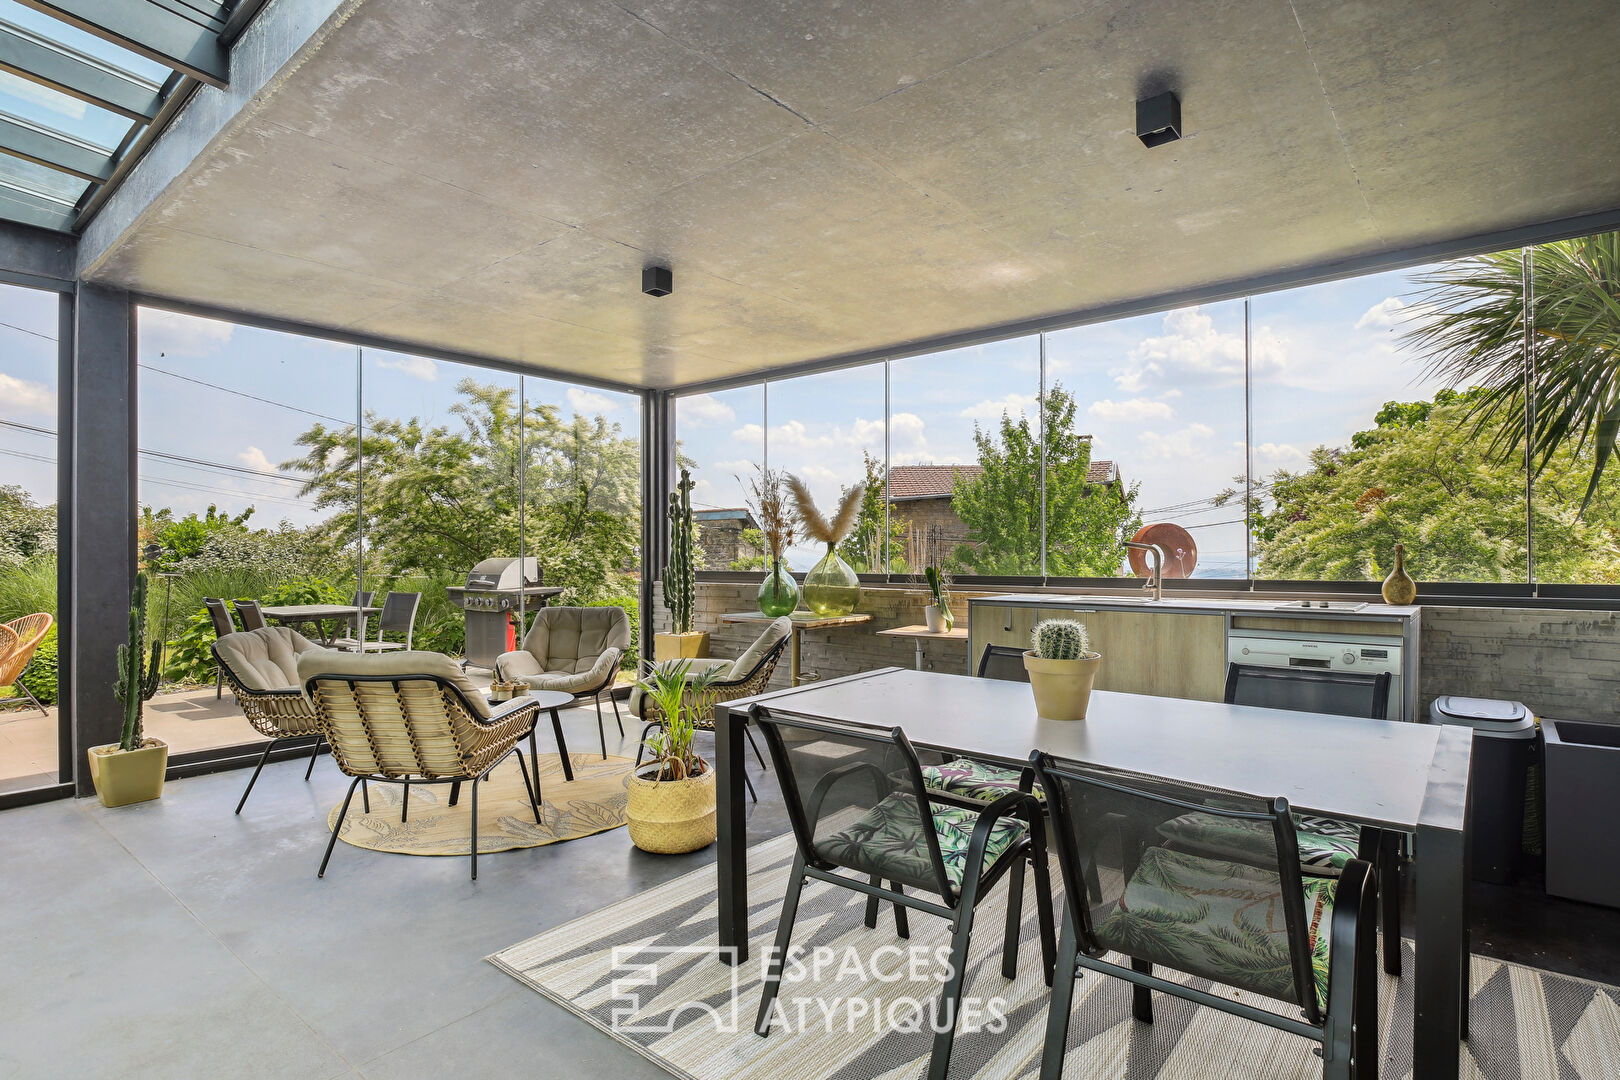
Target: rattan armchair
[412,717]
[26,634]
[262,668]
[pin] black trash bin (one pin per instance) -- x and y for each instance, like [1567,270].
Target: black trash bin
[1505,745]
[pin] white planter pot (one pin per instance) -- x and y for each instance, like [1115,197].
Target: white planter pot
[1062,687]
[934,618]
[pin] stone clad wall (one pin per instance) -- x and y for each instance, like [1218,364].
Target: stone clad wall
[1560,663]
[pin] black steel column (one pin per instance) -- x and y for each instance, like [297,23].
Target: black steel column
[657,479]
[98,453]
[65,758]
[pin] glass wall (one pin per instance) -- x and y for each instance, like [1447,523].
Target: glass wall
[722,445]
[28,401]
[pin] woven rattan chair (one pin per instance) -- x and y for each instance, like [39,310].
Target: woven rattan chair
[26,632]
[745,676]
[262,668]
[575,650]
[412,717]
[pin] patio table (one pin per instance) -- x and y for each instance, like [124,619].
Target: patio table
[319,615]
[1410,777]
[919,634]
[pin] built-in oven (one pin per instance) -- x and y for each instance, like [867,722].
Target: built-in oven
[1324,652]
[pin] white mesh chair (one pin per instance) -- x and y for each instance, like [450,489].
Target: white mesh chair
[398,617]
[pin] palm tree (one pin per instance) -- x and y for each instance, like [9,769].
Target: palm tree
[1471,323]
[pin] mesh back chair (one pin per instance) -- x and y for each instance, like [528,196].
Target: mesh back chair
[1237,912]
[398,617]
[262,668]
[1326,843]
[361,599]
[223,625]
[251,614]
[412,717]
[25,635]
[857,803]
[1003,662]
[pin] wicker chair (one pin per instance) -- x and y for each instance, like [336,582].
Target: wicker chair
[262,668]
[745,676]
[412,717]
[27,633]
[574,650]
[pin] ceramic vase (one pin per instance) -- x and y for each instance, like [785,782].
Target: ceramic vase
[831,588]
[779,593]
[1399,588]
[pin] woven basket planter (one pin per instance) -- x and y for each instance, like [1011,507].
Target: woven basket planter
[672,817]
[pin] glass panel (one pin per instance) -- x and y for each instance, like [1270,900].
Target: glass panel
[247,481]
[38,180]
[827,430]
[958,499]
[115,56]
[721,439]
[28,384]
[57,112]
[1359,443]
[1155,408]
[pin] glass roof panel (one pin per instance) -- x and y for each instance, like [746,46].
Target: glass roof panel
[80,41]
[55,111]
[38,180]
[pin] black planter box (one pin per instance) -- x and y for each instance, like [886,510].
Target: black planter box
[1583,806]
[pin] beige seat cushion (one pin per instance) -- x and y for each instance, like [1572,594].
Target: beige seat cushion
[266,659]
[340,664]
[774,634]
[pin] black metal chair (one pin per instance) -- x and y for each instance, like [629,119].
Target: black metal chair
[857,802]
[223,624]
[251,614]
[1239,913]
[1326,843]
[1003,662]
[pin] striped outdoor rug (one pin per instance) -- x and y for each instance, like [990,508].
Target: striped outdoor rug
[642,970]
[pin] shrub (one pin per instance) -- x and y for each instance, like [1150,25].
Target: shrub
[27,587]
[188,657]
[40,674]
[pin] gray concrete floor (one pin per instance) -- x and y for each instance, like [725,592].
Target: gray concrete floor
[172,939]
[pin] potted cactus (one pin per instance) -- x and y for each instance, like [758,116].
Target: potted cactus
[1062,668]
[680,581]
[131,770]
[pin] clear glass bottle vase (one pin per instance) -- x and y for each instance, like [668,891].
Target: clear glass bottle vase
[832,589]
[779,593]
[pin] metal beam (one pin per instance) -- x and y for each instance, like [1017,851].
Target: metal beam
[153,31]
[28,57]
[34,144]
[29,209]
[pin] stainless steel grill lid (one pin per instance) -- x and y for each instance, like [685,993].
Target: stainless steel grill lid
[504,574]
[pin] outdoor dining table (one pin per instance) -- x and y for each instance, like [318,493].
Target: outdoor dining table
[319,615]
[1409,777]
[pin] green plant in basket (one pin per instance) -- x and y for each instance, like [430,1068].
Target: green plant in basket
[684,698]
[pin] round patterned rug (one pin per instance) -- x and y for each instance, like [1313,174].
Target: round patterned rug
[592,802]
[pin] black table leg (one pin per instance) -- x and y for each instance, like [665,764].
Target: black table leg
[562,745]
[731,860]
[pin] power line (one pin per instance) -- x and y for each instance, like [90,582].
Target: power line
[244,394]
[25,330]
[179,459]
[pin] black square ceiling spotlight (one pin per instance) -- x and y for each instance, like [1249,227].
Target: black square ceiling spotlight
[1158,119]
[657,280]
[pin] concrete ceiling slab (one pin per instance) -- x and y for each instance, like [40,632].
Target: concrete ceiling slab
[831,178]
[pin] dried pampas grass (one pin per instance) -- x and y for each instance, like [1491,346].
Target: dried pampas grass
[817,527]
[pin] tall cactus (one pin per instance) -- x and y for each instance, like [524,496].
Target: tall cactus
[137,673]
[1061,639]
[680,576]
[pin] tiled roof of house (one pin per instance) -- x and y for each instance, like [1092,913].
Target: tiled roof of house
[936,481]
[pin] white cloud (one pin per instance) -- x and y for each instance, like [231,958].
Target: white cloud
[1387,312]
[1186,445]
[1269,457]
[254,458]
[702,409]
[1133,410]
[60,104]
[169,332]
[1012,404]
[589,401]
[28,397]
[417,367]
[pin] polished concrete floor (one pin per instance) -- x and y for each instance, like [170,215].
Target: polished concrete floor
[175,940]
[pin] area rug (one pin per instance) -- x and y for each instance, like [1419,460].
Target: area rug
[644,972]
[592,802]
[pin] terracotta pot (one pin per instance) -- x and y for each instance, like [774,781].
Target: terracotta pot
[672,817]
[1062,687]
[128,776]
[687,646]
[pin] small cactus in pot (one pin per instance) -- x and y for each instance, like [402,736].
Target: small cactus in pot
[1062,668]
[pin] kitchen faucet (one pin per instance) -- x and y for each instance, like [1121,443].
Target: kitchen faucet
[1156,582]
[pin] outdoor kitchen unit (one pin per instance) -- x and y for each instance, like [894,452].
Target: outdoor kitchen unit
[496,590]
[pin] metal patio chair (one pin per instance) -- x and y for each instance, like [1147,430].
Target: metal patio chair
[398,617]
[224,624]
[1004,662]
[251,614]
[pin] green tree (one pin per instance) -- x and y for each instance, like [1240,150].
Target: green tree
[189,536]
[27,531]
[1421,477]
[1471,324]
[863,547]
[1086,524]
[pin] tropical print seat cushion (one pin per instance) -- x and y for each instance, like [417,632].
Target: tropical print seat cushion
[974,779]
[889,840]
[1321,853]
[1220,920]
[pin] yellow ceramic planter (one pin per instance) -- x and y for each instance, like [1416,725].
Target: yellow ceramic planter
[688,646]
[1062,687]
[129,776]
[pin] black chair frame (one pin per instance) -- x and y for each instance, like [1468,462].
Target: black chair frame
[1000,652]
[1347,1030]
[957,906]
[219,612]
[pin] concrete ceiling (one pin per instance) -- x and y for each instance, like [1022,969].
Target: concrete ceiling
[827,178]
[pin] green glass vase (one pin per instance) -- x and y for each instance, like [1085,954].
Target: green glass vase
[779,594]
[831,588]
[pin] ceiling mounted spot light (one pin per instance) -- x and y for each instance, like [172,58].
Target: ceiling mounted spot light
[1158,119]
[657,281]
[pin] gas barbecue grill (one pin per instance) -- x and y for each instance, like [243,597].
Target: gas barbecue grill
[491,598]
